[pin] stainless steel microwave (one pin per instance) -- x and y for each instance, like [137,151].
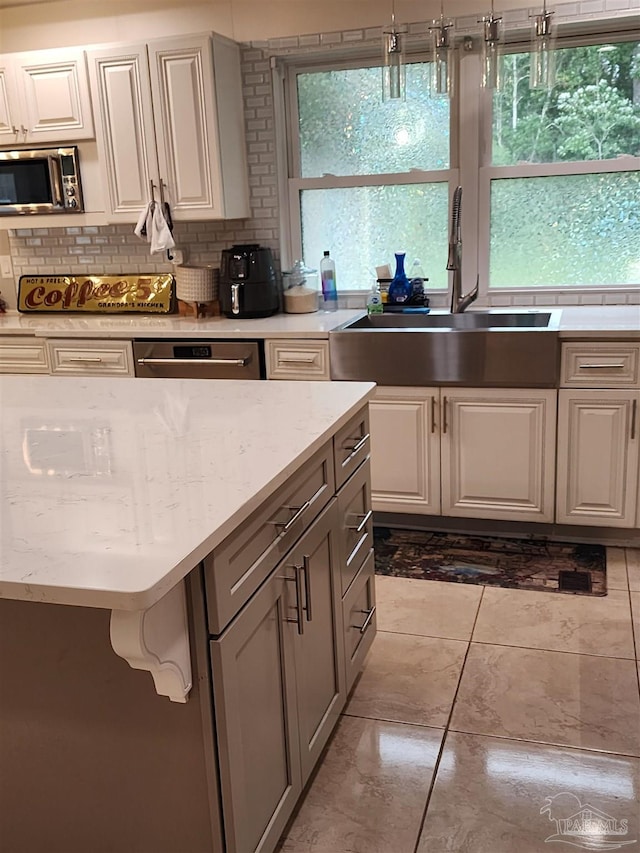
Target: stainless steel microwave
[40,180]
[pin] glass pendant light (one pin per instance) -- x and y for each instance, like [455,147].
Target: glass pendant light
[393,67]
[490,58]
[543,55]
[442,66]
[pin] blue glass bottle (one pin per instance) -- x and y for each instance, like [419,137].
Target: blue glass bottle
[400,288]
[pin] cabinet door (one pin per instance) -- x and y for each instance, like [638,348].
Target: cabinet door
[255,704]
[184,104]
[498,453]
[9,123]
[319,649]
[54,90]
[405,450]
[124,128]
[598,457]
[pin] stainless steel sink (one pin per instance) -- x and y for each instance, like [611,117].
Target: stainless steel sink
[472,320]
[518,349]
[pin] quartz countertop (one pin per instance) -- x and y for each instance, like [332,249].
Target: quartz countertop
[585,321]
[316,325]
[111,491]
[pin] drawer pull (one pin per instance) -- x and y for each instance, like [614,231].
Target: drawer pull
[285,525]
[365,518]
[616,366]
[634,415]
[306,569]
[354,448]
[85,358]
[297,359]
[370,614]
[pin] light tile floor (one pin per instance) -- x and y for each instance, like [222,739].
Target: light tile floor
[483,718]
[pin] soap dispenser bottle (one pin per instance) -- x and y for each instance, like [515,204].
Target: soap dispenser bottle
[400,288]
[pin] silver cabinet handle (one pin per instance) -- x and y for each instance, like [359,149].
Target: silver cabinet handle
[299,614]
[152,186]
[370,614]
[306,570]
[433,414]
[235,362]
[283,359]
[444,415]
[355,448]
[634,415]
[359,527]
[359,442]
[285,525]
[89,359]
[616,366]
[297,579]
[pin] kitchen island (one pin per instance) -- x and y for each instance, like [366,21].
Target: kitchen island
[152,520]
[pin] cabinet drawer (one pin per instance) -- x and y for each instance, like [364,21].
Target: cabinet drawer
[600,365]
[73,358]
[23,355]
[297,360]
[239,565]
[351,446]
[356,524]
[359,613]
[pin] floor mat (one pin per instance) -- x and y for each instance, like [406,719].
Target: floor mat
[492,561]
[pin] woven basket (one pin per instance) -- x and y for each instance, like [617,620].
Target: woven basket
[196,284]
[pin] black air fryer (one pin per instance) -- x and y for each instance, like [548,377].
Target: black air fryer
[248,286]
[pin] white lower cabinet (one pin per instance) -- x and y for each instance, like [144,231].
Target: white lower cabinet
[405,450]
[23,355]
[598,457]
[470,452]
[279,686]
[90,358]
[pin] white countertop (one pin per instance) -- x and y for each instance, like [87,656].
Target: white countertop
[111,491]
[317,325]
[585,321]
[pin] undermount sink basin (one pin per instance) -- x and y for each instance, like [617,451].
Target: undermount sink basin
[470,321]
[517,349]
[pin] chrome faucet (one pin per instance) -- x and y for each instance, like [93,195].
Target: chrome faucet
[454,261]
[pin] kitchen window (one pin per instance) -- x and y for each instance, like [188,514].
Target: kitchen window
[551,179]
[369,178]
[561,179]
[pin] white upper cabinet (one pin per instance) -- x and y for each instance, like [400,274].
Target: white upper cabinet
[44,97]
[170,125]
[8,104]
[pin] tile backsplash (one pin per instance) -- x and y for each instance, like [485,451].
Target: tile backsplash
[115,248]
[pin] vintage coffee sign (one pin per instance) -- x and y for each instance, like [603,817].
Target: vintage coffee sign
[96,294]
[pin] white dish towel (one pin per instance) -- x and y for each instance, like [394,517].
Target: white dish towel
[153,222]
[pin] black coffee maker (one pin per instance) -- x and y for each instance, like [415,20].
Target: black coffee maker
[248,285]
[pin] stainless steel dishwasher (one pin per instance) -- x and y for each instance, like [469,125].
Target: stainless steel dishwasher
[204,359]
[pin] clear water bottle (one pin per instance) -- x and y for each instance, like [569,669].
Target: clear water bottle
[417,279]
[328,279]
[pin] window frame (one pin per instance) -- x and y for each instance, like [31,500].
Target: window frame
[295,183]
[471,129]
[487,172]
